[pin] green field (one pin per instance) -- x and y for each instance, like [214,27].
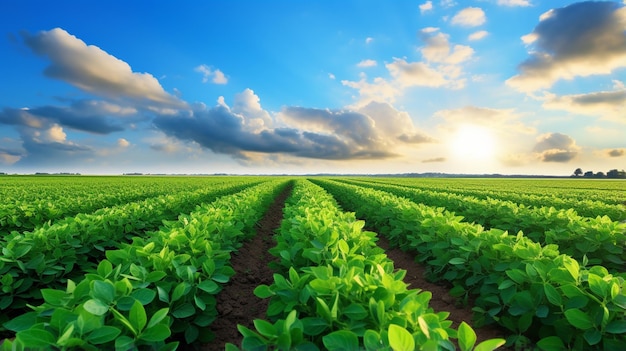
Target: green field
[138,262]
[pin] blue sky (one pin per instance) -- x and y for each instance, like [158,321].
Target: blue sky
[483,86]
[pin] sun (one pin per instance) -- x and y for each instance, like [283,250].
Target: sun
[473,143]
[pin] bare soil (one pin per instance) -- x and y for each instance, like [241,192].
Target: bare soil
[237,304]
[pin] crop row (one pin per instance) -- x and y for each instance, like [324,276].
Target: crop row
[532,290]
[30,205]
[51,254]
[336,290]
[158,288]
[590,203]
[600,239]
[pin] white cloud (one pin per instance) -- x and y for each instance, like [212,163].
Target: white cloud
[425,7]
[369,40]
[95,71]
[248,105]
[478,35]
[123,143]
[331,76]
[367,63]
[447,3]
[469,17]
[379,90]
[215,76]
[439,50]
[514,3]
[415,74]
[607,105]
[578,40]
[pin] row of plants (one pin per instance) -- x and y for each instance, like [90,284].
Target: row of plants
[153,293]
[543,297]
[29,202]
[590,202]
[53,253]
[336,290]
[600,239]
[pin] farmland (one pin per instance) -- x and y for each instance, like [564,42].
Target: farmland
[264,263]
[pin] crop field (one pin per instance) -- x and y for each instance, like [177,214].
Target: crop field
[311,263]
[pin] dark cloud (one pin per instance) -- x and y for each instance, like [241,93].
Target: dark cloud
[581,39]
[333,136]
[53,153]
[556,147]
[616,152]
[557,156]
[76,117]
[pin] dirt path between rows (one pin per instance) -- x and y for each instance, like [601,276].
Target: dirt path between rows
[441,300]
[236,303]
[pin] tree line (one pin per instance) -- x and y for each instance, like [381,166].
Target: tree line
[614,174]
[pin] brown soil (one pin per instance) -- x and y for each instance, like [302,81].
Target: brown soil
[237,304]
[441,300]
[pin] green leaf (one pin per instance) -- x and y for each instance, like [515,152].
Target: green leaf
[466,336]
[616,327]
[144,295]
[184,311]
[55,297]
[578,319]
[209,286]
[592,336]
[156,333]
[157,317]
[124,343]
[262,291]
[96,307]
[104,291]
[104,268]
[371,340]
[553,295]
[457,261]
[22,322]
[265,328]
[400,339]
[35,338]
[490,345]
[137,316]
[103,335]
[551,343]
[341,340]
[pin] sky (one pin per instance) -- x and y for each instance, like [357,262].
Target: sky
[297,87]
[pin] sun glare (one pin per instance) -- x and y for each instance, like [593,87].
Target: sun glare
[473,143]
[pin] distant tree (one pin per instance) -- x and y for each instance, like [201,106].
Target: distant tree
[614,173]
[588,174]
[599,175]
[578,172]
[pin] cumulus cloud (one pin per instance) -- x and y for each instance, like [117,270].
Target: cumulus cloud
[439,50]
[608,105]
[556,147]
[369,40]
[415,74]
[208,74]
[378,90]
[425,7]
[95,71]
[469,17]
[514,3]
[367,63]
[369,133]
[481,34]
[10,156]
[579,40]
